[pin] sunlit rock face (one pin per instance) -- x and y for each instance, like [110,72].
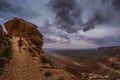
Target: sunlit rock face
[20,28]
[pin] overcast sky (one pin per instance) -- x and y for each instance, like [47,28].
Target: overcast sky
[69,24]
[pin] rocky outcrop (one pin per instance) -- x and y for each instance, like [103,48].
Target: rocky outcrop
[110,50]
[21,28]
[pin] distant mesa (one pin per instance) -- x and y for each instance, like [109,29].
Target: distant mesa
[110,50]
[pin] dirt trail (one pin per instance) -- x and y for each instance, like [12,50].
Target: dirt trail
[22,66]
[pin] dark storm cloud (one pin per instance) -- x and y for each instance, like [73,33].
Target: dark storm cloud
[87,26]
[9,10]
[97,12]
[74,15]
[67,13]
[5,6]
[116,4]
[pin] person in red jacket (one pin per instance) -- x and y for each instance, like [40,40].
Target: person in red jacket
[20,43]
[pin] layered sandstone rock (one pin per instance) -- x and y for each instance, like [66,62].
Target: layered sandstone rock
[21,28]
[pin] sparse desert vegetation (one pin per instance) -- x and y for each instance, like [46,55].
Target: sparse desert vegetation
[44,59]
[5,52]
[48,73]
[61,78]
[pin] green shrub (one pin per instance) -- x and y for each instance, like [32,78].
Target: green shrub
[32,53]
[2,62]
[48,73]
[1,40]
[85,76]
[46,60]
[34,48]
[7,41]
[5,54]
[8,53]
[1,70]
[24,49]
[111,78]
[61,78]
[30,50]
[5,57]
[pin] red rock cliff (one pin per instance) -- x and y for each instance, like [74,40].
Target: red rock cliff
[19,27]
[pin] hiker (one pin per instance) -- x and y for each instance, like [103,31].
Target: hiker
[20,43]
